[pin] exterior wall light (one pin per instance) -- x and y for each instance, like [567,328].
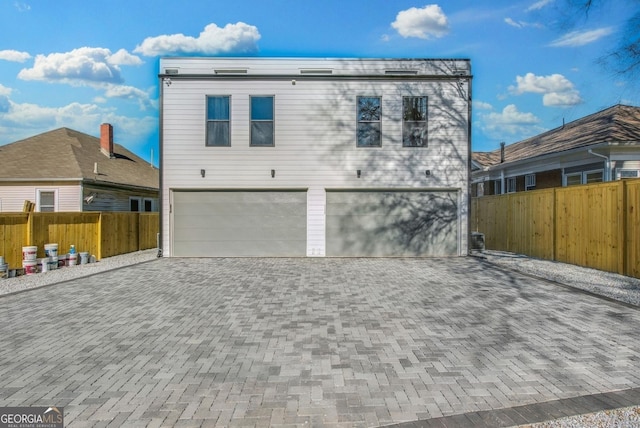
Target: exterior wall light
[202,172]
[273,173]
[359,173]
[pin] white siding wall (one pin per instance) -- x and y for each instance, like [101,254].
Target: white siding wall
[68,196]
[315,139]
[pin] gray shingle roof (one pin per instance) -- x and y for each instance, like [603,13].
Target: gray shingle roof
[67,154]
[617,124]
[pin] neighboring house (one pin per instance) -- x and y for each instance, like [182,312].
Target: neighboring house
[67,170]
[314,157]
[604,146]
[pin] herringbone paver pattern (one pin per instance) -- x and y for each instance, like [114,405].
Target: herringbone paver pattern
[308,342]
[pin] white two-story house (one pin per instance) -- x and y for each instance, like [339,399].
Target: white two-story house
[292,157]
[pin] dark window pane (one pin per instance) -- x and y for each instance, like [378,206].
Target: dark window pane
[415,109]
[218,133]
[148,205]
[262,133]
[47,199]
[369,135]
[414,134]
[369,108]
[134,205]
[261,108]
[218,108]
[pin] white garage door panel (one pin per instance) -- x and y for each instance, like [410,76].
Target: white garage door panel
[239,223]
[392,223]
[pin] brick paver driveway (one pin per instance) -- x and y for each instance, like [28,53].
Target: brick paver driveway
[307,342]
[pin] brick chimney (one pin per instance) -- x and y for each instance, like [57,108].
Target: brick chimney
[106,139]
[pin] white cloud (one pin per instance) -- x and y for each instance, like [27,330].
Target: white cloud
[122,57]
[557,90]
[82,66]
[237,38]
[538,5]
[481,105]
[14,56]
[510,123]
[130,93]
[22,6]
[25,120]
[429,21]
[522,24]
[581,38]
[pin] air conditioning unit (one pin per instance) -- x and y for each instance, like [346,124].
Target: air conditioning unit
[477,241]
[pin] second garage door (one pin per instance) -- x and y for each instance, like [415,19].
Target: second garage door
[392,223]
[239,223]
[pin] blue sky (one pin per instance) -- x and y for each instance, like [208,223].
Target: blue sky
[77,64]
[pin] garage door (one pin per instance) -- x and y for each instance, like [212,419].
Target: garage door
[392,223]
[239,223]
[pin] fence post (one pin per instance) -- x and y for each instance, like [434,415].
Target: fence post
[30,228]
[100,236]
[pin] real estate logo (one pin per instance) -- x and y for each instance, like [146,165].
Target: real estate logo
[31,417]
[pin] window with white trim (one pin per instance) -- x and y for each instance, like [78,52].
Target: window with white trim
[414,122]
[262,122]
[530,182]
[497,187]
[147,205]
[369,126]
[218,121]
[593,176]
[511,185]
[135,204]
[46,201]
[573,179]
[628,173]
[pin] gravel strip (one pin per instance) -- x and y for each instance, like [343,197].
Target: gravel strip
[619,287]
[626,417]
[25,282]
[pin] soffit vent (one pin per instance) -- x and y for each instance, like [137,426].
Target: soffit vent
[401,72]
[171,71]
[316,71]
[230,70]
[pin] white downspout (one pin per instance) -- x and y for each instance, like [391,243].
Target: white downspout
[607,168]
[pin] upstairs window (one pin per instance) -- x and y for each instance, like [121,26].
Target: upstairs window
[369,127]
[414,122]
[262,121]
[218,123]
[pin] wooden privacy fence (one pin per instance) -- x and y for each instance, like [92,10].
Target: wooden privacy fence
[103,234]
[596,225]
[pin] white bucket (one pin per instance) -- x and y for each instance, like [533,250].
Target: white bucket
[53,263]
[4,271]
[51,250]
[73,259]
[84,258]
[30,267]
[29,253]
[44,264]
[1,260]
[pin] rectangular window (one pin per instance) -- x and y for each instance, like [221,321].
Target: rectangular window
[414,122]
[148,205]
[511,185]
[628,173]
[573,179]
[369,128]
[218,122]
[134,204]
[46,201]
[530,182]
[497,187]
[593,176]
[262,121]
